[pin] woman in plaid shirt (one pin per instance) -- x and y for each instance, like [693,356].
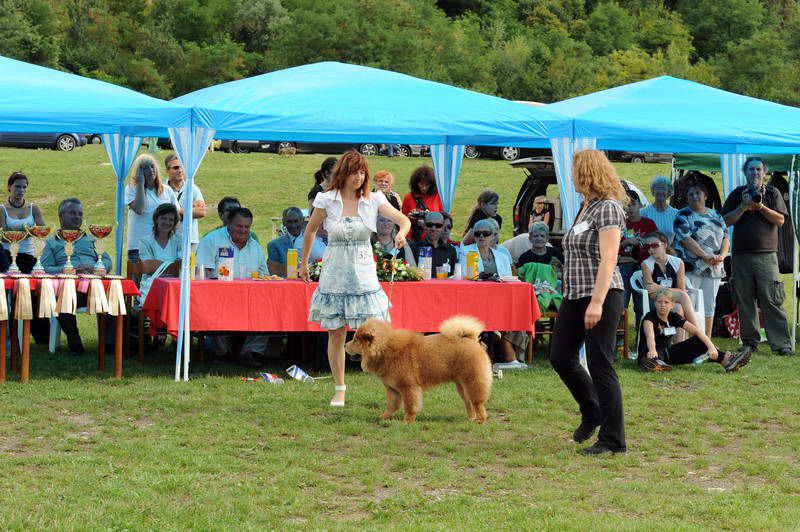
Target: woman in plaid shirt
[593,300]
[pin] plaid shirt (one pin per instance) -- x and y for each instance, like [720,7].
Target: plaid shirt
[582,250]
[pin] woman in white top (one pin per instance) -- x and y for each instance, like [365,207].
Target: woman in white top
[16,215]
[348,293]
[143,194]
[161,245]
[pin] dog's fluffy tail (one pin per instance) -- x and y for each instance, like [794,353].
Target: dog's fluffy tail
[461,327]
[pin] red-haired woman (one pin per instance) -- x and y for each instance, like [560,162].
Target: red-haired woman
[348,293]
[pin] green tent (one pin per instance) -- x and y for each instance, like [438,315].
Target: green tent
[709,162]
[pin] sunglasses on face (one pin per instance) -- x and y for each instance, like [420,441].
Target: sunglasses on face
[483,234]
[653,245]
[432,225]
[173,168]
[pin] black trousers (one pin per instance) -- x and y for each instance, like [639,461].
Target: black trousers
[597,393]
[681,353]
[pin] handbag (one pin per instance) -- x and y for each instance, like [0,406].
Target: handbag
[147,282]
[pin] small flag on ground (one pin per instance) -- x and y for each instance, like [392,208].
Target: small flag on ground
[271,378]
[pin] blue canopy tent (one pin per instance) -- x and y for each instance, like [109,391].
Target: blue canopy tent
[336,102]
[667,114]
[39,99]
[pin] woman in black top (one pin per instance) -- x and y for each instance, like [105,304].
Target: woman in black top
[321,181]
[657,331]
[485,207]
[540,252]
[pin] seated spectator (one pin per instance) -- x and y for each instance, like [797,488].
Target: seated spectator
[225,207]
[701,240]
[384,180]
[162,245]
[247,258]
[384,239]
[491,258]
[660,325]
[84,257]
[495,259]
[660,211]
[540,213]
[293,223]
[485,208]
[15,215]
[540,252]
[631,250]
[443,254]
[423,198]
[662,270]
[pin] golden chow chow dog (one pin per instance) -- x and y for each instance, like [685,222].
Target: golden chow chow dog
[408,363]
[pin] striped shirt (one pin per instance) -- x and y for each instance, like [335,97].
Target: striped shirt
[665,220]
[582,247]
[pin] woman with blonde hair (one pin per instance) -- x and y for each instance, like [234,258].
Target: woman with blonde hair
[143,195]
[592,305]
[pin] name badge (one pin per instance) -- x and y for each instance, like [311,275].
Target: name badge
[580,228]
[669,331]
[665,282]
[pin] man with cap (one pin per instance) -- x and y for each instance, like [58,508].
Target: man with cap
[443,253]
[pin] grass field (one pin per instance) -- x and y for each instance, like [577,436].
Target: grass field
[79,450]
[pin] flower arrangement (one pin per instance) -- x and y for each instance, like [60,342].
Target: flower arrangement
[313,270]
[384,266]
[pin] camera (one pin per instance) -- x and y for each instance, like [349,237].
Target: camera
[756,193]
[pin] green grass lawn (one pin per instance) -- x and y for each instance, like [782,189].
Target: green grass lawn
[79,450]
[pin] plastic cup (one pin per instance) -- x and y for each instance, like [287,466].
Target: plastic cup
[442,272]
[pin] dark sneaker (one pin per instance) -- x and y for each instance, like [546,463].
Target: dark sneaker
[785,352]
[584,431]
[599,448]
[735,361]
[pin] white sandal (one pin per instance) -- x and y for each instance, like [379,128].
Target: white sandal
[341,388]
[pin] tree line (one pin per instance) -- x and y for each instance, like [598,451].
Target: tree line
[539,50]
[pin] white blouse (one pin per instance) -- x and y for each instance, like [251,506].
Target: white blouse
[368,207]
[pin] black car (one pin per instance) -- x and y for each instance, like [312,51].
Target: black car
[246,146]
[638,157]
[55,141]
[506,153]
[540,175]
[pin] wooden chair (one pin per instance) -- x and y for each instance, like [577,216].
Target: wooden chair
[134,271]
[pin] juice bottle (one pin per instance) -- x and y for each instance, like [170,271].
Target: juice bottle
[291,264]
[472,265]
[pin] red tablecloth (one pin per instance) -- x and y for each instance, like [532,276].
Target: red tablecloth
[129,288]
[283,305]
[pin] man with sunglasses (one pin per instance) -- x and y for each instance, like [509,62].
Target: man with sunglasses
[443,253]
[176,182]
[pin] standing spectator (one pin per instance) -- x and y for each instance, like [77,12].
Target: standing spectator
[702,242]
[756,212]
[423,198]
[485,207]
[384,180]
[592,304]
[15,215]
[322,181]
[632,251]
[660,211]
[176,182]
[143,194]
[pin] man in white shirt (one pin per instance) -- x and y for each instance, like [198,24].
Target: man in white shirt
[176,182]
[248,257]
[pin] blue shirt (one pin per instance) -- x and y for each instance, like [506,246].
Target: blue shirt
[84,255]
[664,220]
[276,249]
[502,259]
[245,261]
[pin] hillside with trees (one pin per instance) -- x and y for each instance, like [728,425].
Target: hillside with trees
[540,50]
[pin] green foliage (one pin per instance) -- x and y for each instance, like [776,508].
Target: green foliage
[542,50]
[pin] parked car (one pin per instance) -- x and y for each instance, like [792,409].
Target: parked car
[540,180]
[506,153]
[366,148]
[409,150]
[55,141]
[639,157]
[246,146]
